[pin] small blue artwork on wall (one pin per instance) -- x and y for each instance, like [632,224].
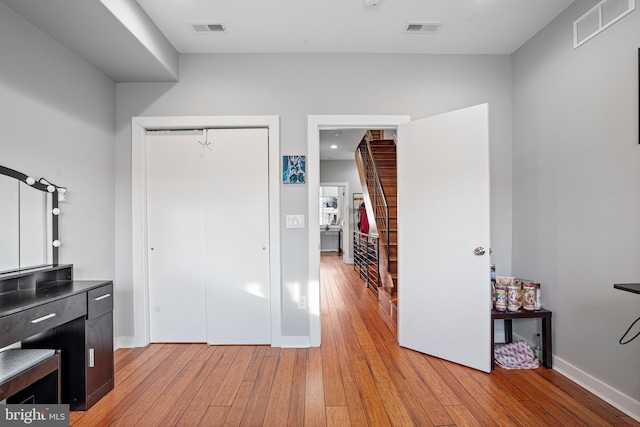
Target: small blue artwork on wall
[293,170]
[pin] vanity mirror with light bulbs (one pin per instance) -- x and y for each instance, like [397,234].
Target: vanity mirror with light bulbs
[28,222]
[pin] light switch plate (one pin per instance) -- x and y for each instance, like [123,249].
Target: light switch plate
[295,221]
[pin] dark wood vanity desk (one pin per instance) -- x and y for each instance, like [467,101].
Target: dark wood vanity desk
[45,308]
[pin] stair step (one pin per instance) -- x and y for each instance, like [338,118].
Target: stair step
[382,143]
[377,156]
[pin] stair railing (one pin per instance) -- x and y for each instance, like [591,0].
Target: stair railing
[379,200]
[366,248]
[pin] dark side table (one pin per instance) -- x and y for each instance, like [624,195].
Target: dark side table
[508,316]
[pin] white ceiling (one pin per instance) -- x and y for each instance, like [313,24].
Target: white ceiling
[140,41]
[320,26]
[345,141]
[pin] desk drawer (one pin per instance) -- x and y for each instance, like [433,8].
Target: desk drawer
[18,326]
[100,301]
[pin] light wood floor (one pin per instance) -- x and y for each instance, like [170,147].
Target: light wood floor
[359,376]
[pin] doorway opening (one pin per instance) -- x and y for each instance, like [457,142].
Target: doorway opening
[315,125]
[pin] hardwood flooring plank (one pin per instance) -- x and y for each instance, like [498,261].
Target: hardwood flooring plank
[251,372]
[215,416]
[350,337]
[424,408]
[441,389]
[314,406]
[238,408]
[157,388]
[341,349]
[298,387]
[541,413]
[183,401]
[140,359]
[505,383]
[212,381]
[391,399]
[165,404]
[501,412]
[371,401]
[257,404]
[478,412]
[420,400]
[228,388]
[331,372]
[548,403]
[278,405]
[461,416]
[357,416]
[338,416]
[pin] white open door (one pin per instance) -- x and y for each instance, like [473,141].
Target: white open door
[443,216]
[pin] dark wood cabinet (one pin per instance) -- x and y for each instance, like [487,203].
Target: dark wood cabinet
[75,317]
[99,345]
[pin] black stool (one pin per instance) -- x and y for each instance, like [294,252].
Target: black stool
[30,376]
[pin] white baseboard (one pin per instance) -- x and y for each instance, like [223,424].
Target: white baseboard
[295,342]
[604,391]
[285,342]
[123,342]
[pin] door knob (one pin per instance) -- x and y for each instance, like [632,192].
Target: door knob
[479,251]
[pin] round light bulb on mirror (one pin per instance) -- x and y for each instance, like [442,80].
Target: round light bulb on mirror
[56,211]
[30,180]
[56,243]
[51,188]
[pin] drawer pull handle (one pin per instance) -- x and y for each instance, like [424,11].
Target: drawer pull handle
[92,359]
[40,319]
[102,297]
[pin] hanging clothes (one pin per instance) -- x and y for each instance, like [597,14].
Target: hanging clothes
[364,222]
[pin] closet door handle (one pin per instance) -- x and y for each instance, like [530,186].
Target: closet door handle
[40,319]
[92,358]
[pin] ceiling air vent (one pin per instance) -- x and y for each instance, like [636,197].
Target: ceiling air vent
[422,27]
[602,16]
[208,28]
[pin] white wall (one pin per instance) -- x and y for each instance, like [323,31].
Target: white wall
[57,116]
[293,87]
[576,192]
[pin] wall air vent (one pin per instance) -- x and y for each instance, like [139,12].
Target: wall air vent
[422,27]
[208,28]
[601,16]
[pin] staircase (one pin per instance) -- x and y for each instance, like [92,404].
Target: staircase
[376,160]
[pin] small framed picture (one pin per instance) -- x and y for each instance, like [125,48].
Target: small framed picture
[294,170]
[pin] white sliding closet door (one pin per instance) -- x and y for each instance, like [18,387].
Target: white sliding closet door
[177,308]
[208,233]
[236,230]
